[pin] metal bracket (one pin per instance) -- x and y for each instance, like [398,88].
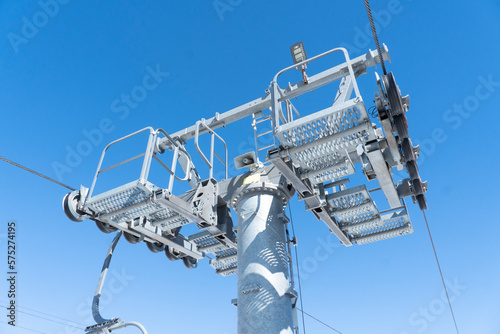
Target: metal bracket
[382,172]
[312,200]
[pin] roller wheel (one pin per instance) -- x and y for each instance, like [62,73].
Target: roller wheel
[70,207]
[155,247]
[172,254]
[131,238]
[105,227]
[190,262]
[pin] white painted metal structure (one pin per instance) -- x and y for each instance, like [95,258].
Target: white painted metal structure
[311,154]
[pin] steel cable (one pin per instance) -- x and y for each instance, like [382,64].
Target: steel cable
[36,173]
[440,271]
[375,36]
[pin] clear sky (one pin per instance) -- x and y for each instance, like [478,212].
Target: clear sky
[63,75]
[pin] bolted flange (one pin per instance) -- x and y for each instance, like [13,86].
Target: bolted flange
[262,188]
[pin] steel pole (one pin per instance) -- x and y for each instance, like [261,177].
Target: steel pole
[264,293]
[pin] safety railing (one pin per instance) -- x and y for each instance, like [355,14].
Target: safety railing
[277,95]
[151,151]
[210,162]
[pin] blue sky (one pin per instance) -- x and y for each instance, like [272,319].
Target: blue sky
[64,80]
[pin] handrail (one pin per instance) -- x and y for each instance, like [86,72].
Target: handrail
[151,132]
[347,58]
[275,104]
[174,163]
[149,154]
[210,162]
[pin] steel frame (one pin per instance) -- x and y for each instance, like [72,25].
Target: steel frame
[150,213]
[315,149]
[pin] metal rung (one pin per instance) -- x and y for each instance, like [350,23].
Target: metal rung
[258,135]
[265,133]
[266,147]
[121,163]
[266,118]
[336,183]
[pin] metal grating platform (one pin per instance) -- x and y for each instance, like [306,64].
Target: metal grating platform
[358,216]
[319,143]
[127,202]
[121,197]
[352,206]
[135,200]
[393,225]
[225,262]
[168,219]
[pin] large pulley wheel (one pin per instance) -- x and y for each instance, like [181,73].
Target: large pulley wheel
[70,207]
[172,253]
[407,148]
[422,202]
[155,247]
[190,262]
[393,94]
[105,227]
[132,238]
[401,126]
[396,105]
[411,167]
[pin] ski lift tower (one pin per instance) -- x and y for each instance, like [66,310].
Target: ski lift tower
[312,154]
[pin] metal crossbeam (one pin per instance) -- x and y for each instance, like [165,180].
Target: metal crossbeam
[383,173]
[359,64]
[313,201]
[311,154]
[147,210]
[315,154]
